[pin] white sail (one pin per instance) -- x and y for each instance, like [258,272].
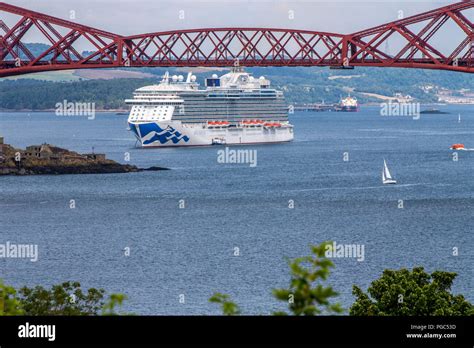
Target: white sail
[386,176]
[459,118]
[386,172]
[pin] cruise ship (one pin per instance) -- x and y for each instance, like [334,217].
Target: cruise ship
[235,108]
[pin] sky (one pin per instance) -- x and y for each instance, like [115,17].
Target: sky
[127,17]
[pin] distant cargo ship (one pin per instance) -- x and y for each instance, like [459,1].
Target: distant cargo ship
[316,107]
[235,108]
[348,104]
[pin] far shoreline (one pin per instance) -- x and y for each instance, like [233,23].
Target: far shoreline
[127,110]
[54,110]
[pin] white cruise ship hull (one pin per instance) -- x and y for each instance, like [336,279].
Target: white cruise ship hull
[175,133]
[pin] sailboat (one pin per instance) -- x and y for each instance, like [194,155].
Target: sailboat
[386,176]
[459,118]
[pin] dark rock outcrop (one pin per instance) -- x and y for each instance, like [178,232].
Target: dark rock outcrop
[46,159]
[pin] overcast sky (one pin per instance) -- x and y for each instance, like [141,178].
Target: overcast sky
[128,17]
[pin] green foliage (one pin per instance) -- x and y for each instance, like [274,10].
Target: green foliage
[306,294]
[64,299]
[9,302]
[228,307]
[115,300]
[404,293]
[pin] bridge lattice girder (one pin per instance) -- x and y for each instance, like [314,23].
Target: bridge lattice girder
[222,47]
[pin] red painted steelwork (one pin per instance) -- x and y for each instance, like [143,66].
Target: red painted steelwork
[244,46]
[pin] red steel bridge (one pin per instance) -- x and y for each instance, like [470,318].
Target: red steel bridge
[412,42]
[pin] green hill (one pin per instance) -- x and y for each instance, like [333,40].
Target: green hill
[300,84]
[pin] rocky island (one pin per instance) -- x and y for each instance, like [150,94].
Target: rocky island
[49,159]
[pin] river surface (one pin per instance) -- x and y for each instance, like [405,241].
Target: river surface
[234,209]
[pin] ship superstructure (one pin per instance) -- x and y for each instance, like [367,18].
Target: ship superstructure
[235,108]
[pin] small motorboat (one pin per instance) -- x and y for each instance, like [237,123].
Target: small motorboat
[218,141]
[457,147]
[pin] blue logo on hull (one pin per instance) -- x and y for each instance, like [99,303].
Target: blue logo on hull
[151,132]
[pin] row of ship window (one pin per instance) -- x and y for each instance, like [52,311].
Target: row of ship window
[216,107]
[214,111]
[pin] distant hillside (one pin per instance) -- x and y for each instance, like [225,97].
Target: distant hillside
[109,87]
[36,49]
[41,95]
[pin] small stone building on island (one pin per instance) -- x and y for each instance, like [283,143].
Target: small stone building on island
[46,154]
[50,159]
[2,157]
[53,153]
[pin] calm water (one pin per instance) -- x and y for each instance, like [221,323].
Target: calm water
[191,251]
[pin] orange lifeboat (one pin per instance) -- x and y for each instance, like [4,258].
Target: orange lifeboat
[457,147]
[218,123]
